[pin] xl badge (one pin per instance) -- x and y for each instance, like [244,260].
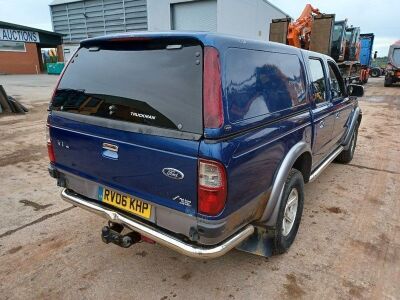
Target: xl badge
[173,173]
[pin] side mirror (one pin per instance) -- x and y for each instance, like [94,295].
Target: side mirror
[376,55]
[355,90]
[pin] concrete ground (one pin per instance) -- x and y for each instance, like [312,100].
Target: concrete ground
[348,245]
[30,89]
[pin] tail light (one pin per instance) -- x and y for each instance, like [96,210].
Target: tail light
[212,187]
[50,149]
[212,95]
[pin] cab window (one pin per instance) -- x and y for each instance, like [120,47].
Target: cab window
[336,81]
[318,80]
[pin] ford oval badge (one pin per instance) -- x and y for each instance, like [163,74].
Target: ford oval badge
[173,173]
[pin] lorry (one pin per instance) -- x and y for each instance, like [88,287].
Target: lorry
[199,142]
[320,32]
[393,67]
[367,56]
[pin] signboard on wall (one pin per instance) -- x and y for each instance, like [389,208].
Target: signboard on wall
[19,35]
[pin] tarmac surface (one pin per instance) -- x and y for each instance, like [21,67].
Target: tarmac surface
[348,245]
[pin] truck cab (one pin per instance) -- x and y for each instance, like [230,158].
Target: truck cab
[393,67]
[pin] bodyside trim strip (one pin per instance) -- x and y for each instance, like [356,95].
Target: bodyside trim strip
[326,163]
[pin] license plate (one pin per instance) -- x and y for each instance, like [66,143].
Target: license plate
[124,202]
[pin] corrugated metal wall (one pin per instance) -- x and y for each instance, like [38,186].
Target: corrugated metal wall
[90,18]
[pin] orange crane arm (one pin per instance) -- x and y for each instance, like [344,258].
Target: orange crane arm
[299,31]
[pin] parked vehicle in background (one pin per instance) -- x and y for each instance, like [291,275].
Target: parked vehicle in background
[320,32]
[393,66]
[200,142]
[366,57]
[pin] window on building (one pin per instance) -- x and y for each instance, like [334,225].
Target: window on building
[12,46]
[318,80]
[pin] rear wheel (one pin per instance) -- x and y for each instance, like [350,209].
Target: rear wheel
[375,72]
[290,211]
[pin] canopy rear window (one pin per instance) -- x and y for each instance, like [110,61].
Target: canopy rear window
[155,83]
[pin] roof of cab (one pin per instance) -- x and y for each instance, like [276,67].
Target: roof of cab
[216,40]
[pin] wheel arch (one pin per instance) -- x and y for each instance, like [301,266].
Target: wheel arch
[355,120]
[303,163]
[298,155]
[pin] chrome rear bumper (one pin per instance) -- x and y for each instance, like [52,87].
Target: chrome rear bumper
[196,251]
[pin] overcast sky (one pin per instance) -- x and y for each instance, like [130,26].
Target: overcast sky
[380,17]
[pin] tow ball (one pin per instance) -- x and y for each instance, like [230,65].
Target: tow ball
[112,234]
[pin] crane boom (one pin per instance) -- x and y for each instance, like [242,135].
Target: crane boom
[299,32]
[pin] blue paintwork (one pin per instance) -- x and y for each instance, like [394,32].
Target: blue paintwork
[367,43]
[138,169]
[252,149]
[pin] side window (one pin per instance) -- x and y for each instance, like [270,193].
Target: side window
[318,80]
[259,83]
[337,84]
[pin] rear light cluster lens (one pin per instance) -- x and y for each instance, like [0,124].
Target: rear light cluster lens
[50,149]
[212,187]
[212,95]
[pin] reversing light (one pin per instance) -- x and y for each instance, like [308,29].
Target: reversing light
[50,149]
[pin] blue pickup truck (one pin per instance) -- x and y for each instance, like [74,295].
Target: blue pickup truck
[199,142]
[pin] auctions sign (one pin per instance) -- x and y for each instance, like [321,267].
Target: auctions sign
[19,35]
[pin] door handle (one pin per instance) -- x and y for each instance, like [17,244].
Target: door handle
[337,115]
[322,124]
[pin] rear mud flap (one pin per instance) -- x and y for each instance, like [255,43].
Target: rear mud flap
[259,243]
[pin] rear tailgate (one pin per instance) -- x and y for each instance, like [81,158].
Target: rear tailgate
[128,115]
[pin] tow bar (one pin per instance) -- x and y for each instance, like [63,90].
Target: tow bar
[112,234]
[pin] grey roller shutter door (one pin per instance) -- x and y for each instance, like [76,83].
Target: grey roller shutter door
[197,15]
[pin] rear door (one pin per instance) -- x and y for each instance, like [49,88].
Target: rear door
[128,115]
[323,110]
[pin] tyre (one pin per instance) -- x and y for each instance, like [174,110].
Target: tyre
[290,211]
[388,81]
[347,155]
[375,72]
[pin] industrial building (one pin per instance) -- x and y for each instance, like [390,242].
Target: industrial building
[20,48]
[247,18]
[80,19]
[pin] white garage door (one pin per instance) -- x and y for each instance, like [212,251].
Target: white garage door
[197,15]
